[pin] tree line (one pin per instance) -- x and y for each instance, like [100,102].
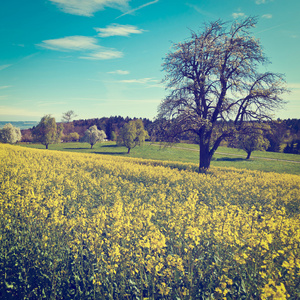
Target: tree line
[273,136]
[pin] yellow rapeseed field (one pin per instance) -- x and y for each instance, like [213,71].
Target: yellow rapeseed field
[79,226]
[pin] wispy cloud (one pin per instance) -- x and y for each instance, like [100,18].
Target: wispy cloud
[238,15]
[142,101]
[105,53]
[2,67]
[15,111]
[294,94]
[119,72]
[147,82]
[270,28]
[49,103]
[89,7]
[294,85]
[267,16]
[5,87]
[260,1]
[119,30]
[141,80]
[85,44]
[201,11]
[77,43]
[138,8]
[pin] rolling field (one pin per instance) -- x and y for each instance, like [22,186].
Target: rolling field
[86,226]
[224,157]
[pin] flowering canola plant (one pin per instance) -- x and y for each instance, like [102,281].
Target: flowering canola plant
[86,226]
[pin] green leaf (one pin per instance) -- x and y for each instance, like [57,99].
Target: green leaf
[9,286]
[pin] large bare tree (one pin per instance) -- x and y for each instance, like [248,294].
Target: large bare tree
[215,83]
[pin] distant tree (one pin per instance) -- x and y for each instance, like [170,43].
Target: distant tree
[26,135]
[214,79]
[68,128]
[74,136]
[276,136]
[292,147]
[46,131]
[68,116]
[113,136]
[93,135]
[10,134]
[252,138]
[132,134]
[59,133]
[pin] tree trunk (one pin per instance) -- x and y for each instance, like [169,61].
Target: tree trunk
[128,151]
[46,146]
[92,146]
[204,158]
[248,155]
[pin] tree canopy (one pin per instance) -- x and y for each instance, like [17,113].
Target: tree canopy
[93,135]
[252,138]
[46,132]
[68,116]
[214,80]
[10,134]
[132,134]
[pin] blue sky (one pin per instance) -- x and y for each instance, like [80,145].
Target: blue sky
[103,57]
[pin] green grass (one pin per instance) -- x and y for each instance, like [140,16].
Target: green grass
[224,157]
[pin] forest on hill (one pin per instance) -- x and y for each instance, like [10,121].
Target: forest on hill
[283,135]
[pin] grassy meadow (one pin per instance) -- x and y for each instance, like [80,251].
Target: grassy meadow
[86,226]
[189,153]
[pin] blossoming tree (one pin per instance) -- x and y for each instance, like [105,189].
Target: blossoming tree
[215,82]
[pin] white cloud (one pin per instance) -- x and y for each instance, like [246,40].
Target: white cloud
[267,16]
[147,82]
[262,1]
[77,43]
[293,85]
[5,87]
[141,81]
[2,67]
[105,53]
[138,8]
[294,94]
[116,29]
[238,15]
[89,7]
[83,44]
[15,111]
[119,72]
[142,101]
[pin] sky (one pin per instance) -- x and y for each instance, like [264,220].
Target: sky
[102,58]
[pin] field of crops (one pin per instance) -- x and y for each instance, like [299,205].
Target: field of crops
[86,226]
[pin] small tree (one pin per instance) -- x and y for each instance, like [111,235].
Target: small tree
[252,138]
[93,135]
[113,136]
[10,134]
[46,131]
[132,134]
[74,136]
[68,116]
[277,135]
